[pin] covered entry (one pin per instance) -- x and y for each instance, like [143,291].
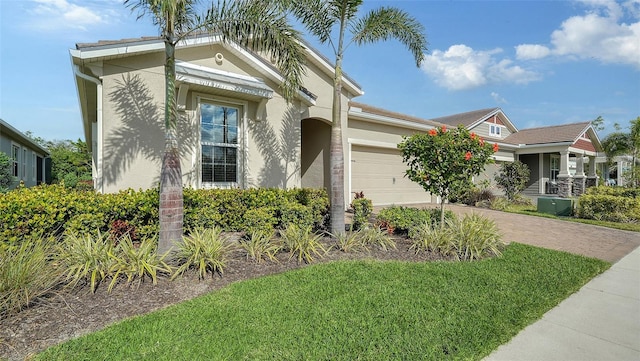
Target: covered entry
[379,173]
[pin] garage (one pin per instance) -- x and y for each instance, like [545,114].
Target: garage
[379,173]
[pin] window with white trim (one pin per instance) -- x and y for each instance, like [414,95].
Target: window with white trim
[15,157]
[495,130]
[219,144]
[24,163]
[555,168]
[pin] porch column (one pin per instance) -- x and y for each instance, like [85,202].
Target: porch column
[579,180]
[564,178]
[592,177]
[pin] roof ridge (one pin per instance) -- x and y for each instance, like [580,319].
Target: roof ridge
[553,126]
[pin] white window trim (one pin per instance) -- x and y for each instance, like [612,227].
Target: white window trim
[243,107]
[15,171]
[495,130]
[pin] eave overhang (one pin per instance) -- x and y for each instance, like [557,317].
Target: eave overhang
[218,79]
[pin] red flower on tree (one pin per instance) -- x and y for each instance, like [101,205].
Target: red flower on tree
[495,147]
[467,156]
[481,142]
[473,135]
[433,132]
[444,128]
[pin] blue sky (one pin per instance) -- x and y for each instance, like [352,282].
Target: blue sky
[542,62]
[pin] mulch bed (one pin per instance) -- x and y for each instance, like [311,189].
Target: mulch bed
[69,314]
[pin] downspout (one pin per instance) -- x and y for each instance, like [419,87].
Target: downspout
[98,181]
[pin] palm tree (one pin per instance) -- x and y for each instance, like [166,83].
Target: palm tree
[259,25]
[320,17]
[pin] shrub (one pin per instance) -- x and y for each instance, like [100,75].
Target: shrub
[136,261]
[512,178]
[302,243]
[401,219]
[468,238]
[612,208]
[350,241]
[259,220]
[206,250]
[85,258]
[26,274]
[474,237]
[261,245]
[431,237]
[6,175]
[291,212]
[375,236]
[120,228]
[362,209]
[499,204]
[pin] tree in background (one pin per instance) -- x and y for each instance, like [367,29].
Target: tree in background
[70,160]
[512,178]
[443,162]
[6,175]
[321,18]
[621,143]
[260,25]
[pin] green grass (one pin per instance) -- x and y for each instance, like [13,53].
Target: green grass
[352,310]
[532,211]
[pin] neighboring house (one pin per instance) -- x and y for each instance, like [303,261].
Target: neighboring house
[557,156]
[31,164]
[613,172]
[236,130]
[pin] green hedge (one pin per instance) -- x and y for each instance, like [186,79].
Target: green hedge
[607,207]
[54,210]
[401,219]
[614,191]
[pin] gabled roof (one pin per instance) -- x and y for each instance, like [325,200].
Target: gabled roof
[109,49]
[566,133]
[466,119]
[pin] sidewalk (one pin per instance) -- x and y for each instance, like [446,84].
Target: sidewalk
[599,322]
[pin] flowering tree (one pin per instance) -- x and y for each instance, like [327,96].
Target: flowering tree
[443,162]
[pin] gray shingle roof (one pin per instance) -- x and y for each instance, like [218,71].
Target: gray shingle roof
[465,119]
[387,113]
[550,134]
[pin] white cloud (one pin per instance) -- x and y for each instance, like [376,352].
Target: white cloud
[63,14]
[460,67]
[600,34]
[531,51]
[498,98]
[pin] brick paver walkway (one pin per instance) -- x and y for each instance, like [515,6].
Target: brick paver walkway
[584,239]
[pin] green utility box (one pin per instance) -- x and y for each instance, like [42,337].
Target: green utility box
[555,206]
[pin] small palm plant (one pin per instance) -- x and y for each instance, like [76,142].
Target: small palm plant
[85,258]
[261,245]
[428,237]
[136,261]
[206,250]
[476,237]
[302,243]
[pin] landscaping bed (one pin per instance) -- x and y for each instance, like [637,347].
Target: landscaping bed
[71,314]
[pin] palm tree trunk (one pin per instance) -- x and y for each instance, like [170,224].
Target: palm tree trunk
[171,201]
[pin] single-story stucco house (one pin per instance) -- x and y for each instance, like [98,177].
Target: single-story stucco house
[236,130]
[31,162]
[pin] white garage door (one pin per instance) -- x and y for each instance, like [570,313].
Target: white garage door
[379,173]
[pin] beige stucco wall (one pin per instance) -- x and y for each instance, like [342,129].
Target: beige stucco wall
[133,121]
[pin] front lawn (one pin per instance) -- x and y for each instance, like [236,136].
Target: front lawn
[348,310]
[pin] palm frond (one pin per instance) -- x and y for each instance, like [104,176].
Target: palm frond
[385,23]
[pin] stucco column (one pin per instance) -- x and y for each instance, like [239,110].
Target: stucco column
[592,177]
[564,178]
[579,180]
